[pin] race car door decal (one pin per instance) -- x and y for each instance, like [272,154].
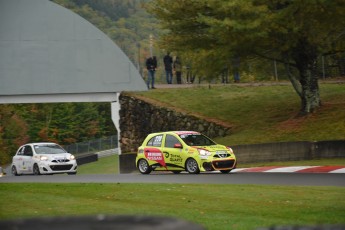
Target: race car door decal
[155,154]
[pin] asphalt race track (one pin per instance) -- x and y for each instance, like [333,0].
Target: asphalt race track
[262,178]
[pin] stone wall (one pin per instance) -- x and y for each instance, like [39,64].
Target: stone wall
[138,118]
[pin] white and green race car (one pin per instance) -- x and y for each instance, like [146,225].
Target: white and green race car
[179,151]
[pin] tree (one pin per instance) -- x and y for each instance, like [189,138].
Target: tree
[13,133]
[295,33]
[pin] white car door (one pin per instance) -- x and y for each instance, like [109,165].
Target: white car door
[27,159]
[18,160]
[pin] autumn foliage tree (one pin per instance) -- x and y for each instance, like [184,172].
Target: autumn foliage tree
[295,33]
[13,132]
[63,123]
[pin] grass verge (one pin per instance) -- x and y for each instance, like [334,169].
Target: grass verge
[215,207]
[104,165]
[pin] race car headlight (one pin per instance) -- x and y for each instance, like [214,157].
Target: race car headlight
[72,157]
[43,158]
[203,152]
[230,149]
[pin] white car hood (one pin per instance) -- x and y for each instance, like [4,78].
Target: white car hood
[57,157]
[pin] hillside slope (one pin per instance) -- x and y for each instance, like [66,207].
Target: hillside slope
[259,113]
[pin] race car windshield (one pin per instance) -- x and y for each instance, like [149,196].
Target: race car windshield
[196,140]
[49,149]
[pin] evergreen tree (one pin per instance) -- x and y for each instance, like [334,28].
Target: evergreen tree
[295,33]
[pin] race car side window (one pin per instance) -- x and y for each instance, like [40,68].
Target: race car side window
[170,141]
[21,151]
[28,151]
[155,141]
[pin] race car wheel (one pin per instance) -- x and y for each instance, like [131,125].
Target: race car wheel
[14,171]
[36,170]
[192,166]
[225,171]
[144,167]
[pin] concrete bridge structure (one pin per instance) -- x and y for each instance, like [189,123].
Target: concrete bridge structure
[50,54]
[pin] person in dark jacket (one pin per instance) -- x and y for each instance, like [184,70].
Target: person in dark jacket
[168,62]
[151,65]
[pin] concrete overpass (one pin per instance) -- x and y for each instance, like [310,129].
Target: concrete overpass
[50,54]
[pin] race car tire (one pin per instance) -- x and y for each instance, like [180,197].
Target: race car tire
[36,170]
[225,171]
[192,166]
[144,167]
[14,171]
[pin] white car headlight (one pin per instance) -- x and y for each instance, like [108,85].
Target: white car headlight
[43,158]
[72,157]
[203,152]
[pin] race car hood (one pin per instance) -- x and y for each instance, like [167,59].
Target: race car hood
[219,151]
[61,157]
[213,148]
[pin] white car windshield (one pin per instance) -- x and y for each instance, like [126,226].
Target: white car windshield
[49,149]
[196,140]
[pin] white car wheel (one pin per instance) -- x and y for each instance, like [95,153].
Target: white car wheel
[144,167]
[36,170]
[192,166]
[14,171]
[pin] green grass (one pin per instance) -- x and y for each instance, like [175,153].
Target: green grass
[257,114]
[215,207]
[104,165]
[261,114]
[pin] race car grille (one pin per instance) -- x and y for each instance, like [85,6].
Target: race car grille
[60,161]
[60,167]
[221,154]
[223,164]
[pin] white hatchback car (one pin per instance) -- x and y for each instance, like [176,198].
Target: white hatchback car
[43,158]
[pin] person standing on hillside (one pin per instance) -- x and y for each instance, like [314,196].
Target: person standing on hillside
[189,74]
[151,65]
[178,69]
[168,62]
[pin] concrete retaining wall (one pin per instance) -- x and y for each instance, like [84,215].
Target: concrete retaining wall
[289,151]
[86,158]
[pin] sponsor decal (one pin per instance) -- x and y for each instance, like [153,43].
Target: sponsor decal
[186,132]
[175,158]
[154,154]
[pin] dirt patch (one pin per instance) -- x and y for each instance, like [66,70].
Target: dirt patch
[292,124]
